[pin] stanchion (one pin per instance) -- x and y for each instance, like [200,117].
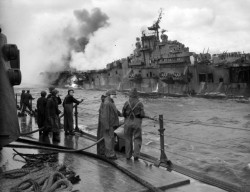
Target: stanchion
[31,105]
[163,158]
[76,119]
[16,101]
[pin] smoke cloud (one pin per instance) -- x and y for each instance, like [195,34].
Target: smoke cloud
[88,24]
[77,37]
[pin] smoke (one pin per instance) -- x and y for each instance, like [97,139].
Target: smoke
[77,37]
[91,22]
[88,24]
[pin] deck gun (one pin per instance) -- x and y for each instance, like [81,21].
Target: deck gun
[10,75]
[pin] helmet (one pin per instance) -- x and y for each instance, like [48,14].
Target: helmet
[133,93]
[111,92]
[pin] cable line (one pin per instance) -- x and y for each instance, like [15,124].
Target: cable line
[205,124]
[183,139]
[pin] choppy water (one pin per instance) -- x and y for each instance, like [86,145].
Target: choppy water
[211,136]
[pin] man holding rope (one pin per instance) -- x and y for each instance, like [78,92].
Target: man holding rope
[68,112]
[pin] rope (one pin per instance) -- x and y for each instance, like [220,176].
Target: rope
[196,142]
[16,173]
[30,183]
[188,140]
[52,184]
[205,124]
[36,160]
[65,150]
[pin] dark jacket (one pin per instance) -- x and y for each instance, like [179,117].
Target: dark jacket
[41,111]
[69,99]
[26,98]
[59,101]
[22,96]
[52,107]
[41,105]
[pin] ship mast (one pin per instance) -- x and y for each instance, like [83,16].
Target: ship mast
[155,27]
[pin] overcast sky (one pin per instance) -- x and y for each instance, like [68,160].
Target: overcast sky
[48,32]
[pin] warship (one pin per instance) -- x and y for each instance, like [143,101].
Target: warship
[165,66]
[97,173]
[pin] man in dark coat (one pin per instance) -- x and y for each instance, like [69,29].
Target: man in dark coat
[133,111]
[27,98]
[68,112]
[109,121]
[21,99]
[59,101]
[52,115]
[41,109]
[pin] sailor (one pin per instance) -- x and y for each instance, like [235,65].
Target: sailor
[27,98]
[101,145]
[133,112]
[109,122]
[68,112]
[52,115]
[41,109]
[21,100]
[59,101]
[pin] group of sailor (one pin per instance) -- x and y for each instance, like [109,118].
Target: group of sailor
[48,120]
[48,112]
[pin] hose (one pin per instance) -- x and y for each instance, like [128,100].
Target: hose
[66,150]
[40,129]
[61,150]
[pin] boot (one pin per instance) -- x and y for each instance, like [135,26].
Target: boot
[56,137]
[71,133]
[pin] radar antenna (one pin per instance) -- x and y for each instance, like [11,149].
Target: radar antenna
[155,27]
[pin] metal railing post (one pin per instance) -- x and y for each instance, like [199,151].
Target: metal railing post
[163,158]
[76,119]
[16,99]
[31,105]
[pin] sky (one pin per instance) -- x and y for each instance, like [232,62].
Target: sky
[88,34]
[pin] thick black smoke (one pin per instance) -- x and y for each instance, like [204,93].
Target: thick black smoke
[89,22]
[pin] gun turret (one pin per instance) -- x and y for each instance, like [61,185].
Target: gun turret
[10,75]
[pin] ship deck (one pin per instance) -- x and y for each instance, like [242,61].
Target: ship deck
[97,175]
